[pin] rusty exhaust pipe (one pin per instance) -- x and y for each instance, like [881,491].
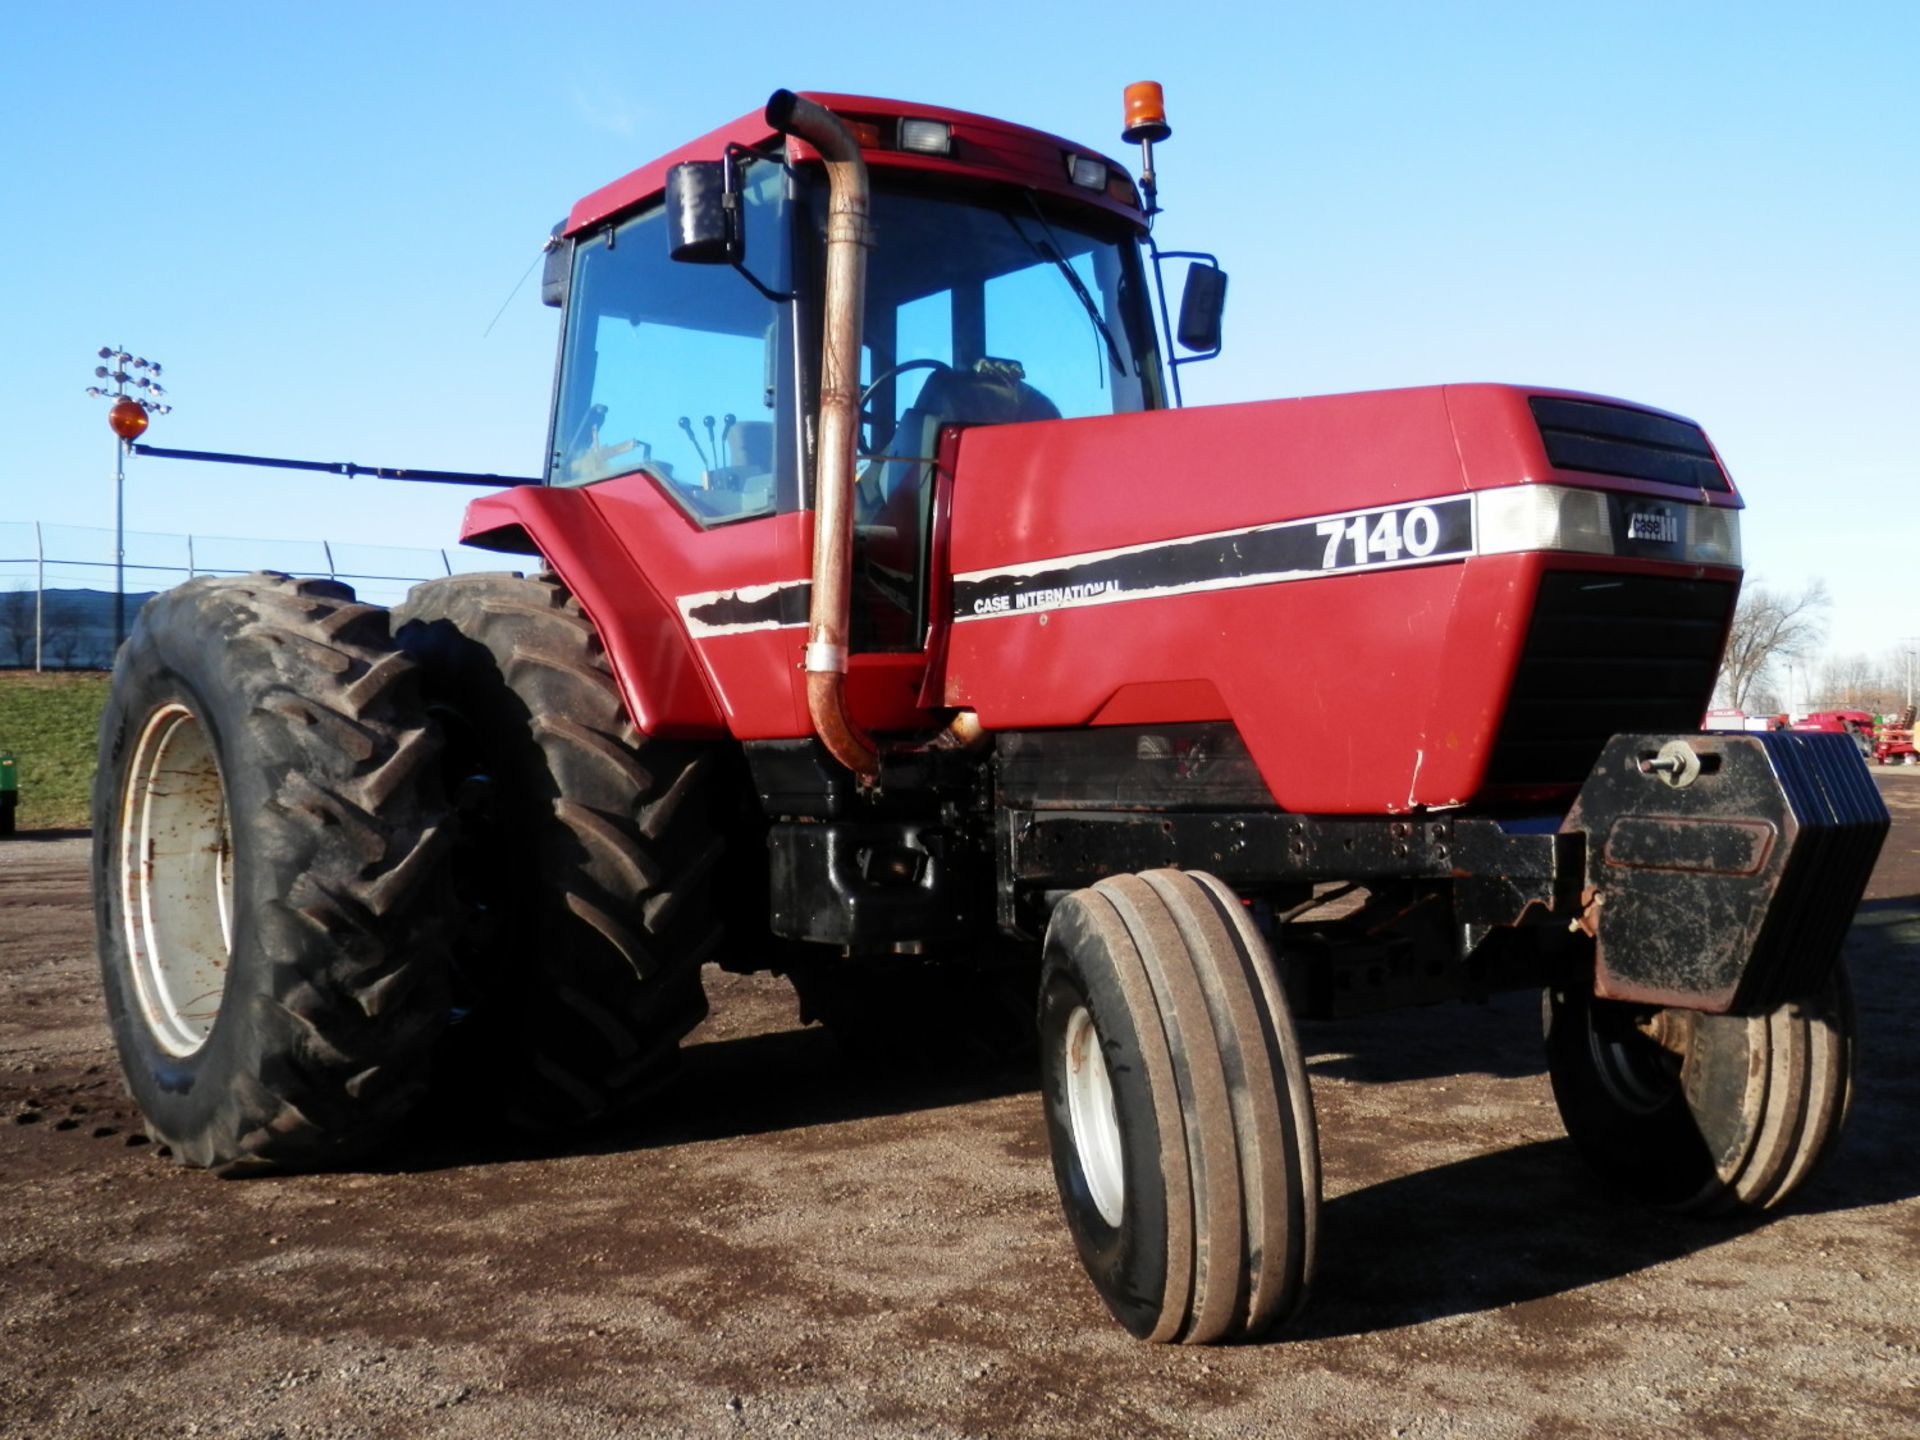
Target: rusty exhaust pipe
[848,240]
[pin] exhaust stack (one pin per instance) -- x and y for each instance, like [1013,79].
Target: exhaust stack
[848,239]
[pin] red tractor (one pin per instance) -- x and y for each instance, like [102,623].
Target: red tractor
[889,625]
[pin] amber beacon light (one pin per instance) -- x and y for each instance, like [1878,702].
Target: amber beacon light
[1146,113]
[1146,123]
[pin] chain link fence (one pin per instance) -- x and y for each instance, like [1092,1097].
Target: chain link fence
[57,581]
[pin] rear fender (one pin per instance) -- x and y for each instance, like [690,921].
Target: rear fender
[661,679]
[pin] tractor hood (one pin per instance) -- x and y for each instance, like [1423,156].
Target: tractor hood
[1353,580]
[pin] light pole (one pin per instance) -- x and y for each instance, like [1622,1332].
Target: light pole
[128,417]
[1908,642]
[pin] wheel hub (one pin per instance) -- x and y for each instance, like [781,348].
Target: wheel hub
[176,879]
[1092,1117]
[1638,1061]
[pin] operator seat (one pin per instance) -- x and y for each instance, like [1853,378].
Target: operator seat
[993,392]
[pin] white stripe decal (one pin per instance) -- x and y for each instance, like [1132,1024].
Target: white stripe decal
[746,609]
[1379,537]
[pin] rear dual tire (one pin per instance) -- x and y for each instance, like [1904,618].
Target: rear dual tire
[266,853]
[584,857]
[1178,1109]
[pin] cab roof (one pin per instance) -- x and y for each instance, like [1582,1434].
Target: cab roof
[983,149]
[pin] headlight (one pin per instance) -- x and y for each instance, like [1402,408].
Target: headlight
[1713,535]
[1543,517]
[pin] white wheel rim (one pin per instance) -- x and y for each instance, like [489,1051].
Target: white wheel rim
[1090,1112]
[176,879]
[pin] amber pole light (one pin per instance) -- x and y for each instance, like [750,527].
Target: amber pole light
[128,418]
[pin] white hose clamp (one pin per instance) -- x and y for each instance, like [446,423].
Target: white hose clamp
[825,659]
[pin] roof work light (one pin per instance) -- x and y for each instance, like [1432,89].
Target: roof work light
[928,137]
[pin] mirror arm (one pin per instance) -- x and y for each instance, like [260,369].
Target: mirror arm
[779,297]
[1166,318]
[1174,362]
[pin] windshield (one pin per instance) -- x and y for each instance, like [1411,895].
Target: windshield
[991,310]
[996,308]
[678,370]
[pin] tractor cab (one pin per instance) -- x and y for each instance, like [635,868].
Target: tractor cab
[1004,284]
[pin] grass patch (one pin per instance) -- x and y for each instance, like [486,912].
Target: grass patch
[50,722]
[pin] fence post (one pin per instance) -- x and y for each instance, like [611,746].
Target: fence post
[190,557]
[39,593]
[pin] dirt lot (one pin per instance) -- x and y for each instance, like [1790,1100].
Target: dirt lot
[793,1246]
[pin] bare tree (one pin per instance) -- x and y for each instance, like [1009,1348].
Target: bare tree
[1770,626]
[16,625]
[1861,682]
[65,637]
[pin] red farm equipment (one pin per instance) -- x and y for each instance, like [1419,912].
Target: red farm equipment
[893,628]
[1893,742]
[1858,726]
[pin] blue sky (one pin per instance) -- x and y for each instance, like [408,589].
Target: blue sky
[312,216]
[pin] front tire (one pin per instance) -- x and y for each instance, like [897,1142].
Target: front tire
[1178,1108]
[266,874]
[585,857]
[1712,1114]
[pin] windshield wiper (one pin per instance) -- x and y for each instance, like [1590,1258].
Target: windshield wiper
[1051,253]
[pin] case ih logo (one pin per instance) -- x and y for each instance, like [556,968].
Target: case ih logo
[1660,525]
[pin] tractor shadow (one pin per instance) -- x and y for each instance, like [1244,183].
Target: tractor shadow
[1877,1162]
[1480,1234]
[1520,1224]
[1533,1221]
[1500,1039]
[744,1086]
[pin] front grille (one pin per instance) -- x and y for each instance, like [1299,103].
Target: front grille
[1614,440]
[1607,655]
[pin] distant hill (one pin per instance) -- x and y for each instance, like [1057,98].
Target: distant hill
[77,631]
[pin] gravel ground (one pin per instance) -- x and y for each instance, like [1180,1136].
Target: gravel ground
[789,1245]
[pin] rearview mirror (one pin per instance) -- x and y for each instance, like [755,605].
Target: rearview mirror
[558,269]
[701,211]
[1202,302]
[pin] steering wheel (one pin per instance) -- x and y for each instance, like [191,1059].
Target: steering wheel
[866,419]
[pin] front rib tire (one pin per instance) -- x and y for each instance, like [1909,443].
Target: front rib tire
[1182,1126]
[1711,1114]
